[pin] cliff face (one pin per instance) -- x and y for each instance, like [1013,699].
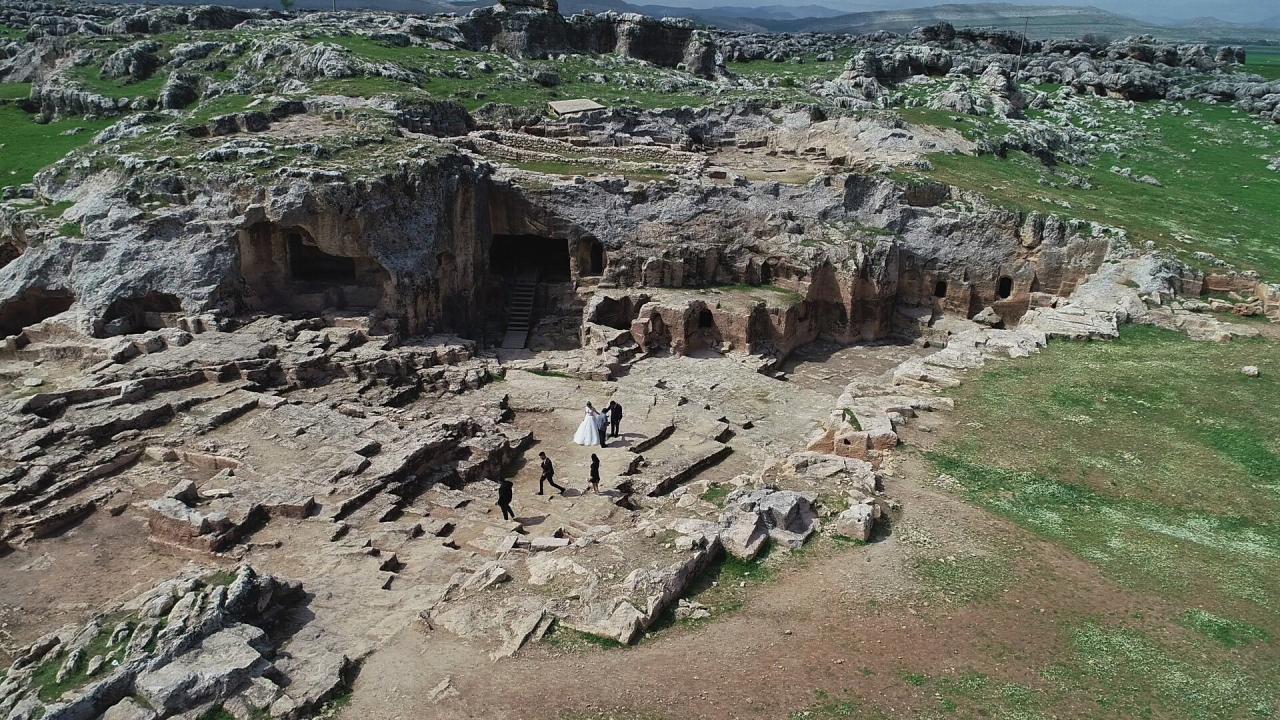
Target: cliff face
[524,31]
[415,245]
[403,244]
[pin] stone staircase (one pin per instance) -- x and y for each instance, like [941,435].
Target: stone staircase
[520,311]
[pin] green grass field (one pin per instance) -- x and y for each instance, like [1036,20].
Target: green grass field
[91,79]
[14,91]
[1154,460]
[1136,435]
[796,73]
[26,147]
[1218,195]
[1264,62]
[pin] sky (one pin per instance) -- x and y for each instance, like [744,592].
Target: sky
[1240,11]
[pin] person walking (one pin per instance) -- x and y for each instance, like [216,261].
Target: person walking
[504,499]
[595,474]
[615,417]
[548,474]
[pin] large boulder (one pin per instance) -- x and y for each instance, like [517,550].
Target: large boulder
[135,62]
[179,91]
[220,665]
[857,522]
[745,534]
[789,516]
[129,709]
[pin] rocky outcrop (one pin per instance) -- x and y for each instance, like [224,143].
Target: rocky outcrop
[133,62]
[524,31]
[191,642]
[59,100]
[179,91]
[994,93]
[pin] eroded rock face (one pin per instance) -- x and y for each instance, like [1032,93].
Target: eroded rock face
[190,642]
[415,244]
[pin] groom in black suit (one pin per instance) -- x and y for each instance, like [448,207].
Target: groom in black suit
[615,417]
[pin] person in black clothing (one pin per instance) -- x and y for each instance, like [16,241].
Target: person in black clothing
[548,474]
[504,499]
[595,474]
[615,417]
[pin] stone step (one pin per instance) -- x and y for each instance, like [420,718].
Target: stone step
[219,412]
[515,339]
[381,508]
[665,475]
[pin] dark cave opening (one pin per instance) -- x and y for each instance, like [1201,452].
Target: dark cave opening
[31,306]
[1005,288]
[590,257]
[308,263]
[152,311]
[518,254]
[706,321]
[286,270]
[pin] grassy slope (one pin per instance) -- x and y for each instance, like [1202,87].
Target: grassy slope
[1169,449]
[27,146]
[91,79]
[1156,460]
[798,73]
[15,91]
[625,81]
[1217,194]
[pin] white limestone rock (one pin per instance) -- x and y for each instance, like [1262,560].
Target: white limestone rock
[222,662]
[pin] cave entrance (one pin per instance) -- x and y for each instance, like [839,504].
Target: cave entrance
[617,313]
[287,270]
[940,289]
[590,257]
[8,253]
[1005,288]
[308,263]
[32,306]
[514,255]
[152,311]
[704,335]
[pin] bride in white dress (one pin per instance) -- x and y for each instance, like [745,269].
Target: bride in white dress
[589,431]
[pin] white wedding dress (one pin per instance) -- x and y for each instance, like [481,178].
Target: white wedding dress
[589,431]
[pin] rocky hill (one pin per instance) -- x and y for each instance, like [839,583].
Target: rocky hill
[284,295]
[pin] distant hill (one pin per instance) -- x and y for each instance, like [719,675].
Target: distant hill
[1041,21]
[726,17]
[411,6]
[1045,20]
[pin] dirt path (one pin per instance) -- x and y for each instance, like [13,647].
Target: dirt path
[841,619]
[43,586]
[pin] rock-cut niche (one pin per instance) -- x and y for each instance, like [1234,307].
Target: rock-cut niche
[287,270]
[32,306]
[151,311]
